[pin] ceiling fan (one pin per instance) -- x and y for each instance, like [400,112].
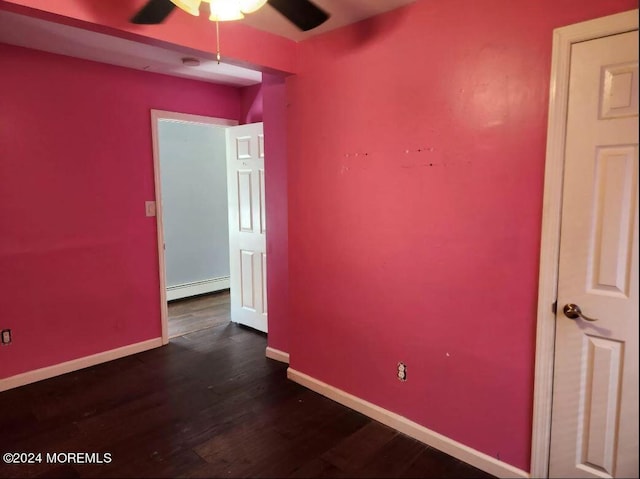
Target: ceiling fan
[304,14]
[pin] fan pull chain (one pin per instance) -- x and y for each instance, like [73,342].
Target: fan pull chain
[218,41]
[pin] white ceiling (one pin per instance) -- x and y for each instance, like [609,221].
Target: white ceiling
[39,34]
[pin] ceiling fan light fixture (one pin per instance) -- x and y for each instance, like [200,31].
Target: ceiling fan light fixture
[224,10]
[304,14]
[221,10]
[192,7]
[250,6]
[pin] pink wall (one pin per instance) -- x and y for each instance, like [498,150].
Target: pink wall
[276,156]
[252,105]
[416,154]
[78,257]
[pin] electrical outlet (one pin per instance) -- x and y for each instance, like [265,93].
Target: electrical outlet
[402,371]
[5,335]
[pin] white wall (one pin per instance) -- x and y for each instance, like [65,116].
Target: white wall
[194,201]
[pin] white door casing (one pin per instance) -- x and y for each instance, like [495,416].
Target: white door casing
[595,396]
[247,226]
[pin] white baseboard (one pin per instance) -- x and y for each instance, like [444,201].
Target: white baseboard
[277,355]
[180,291]
[76,364]
[438,441]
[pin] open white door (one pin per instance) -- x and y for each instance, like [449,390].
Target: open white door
[247,244]
[594,430]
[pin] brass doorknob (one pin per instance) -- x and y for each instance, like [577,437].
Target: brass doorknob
[573,311]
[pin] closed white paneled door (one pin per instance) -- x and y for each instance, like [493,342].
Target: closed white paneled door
[247,227]
[595,399]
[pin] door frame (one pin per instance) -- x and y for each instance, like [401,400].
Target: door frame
[563,38]
[156,116]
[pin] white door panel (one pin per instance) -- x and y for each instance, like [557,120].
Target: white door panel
[595,399]
[247,227]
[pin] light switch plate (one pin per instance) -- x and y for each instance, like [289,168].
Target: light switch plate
[150,208]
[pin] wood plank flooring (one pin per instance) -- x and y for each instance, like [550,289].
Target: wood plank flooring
[199,312]
[209,404]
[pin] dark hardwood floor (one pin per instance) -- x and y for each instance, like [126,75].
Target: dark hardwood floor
[209,404]
[199,312]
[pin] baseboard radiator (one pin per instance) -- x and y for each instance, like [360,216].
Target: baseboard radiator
[197,287]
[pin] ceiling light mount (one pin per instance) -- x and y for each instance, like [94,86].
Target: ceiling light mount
[190,62]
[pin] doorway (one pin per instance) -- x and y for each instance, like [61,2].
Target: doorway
[192,220]
[241,231]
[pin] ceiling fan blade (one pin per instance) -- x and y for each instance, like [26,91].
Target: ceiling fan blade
[154,12]
[304,14]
